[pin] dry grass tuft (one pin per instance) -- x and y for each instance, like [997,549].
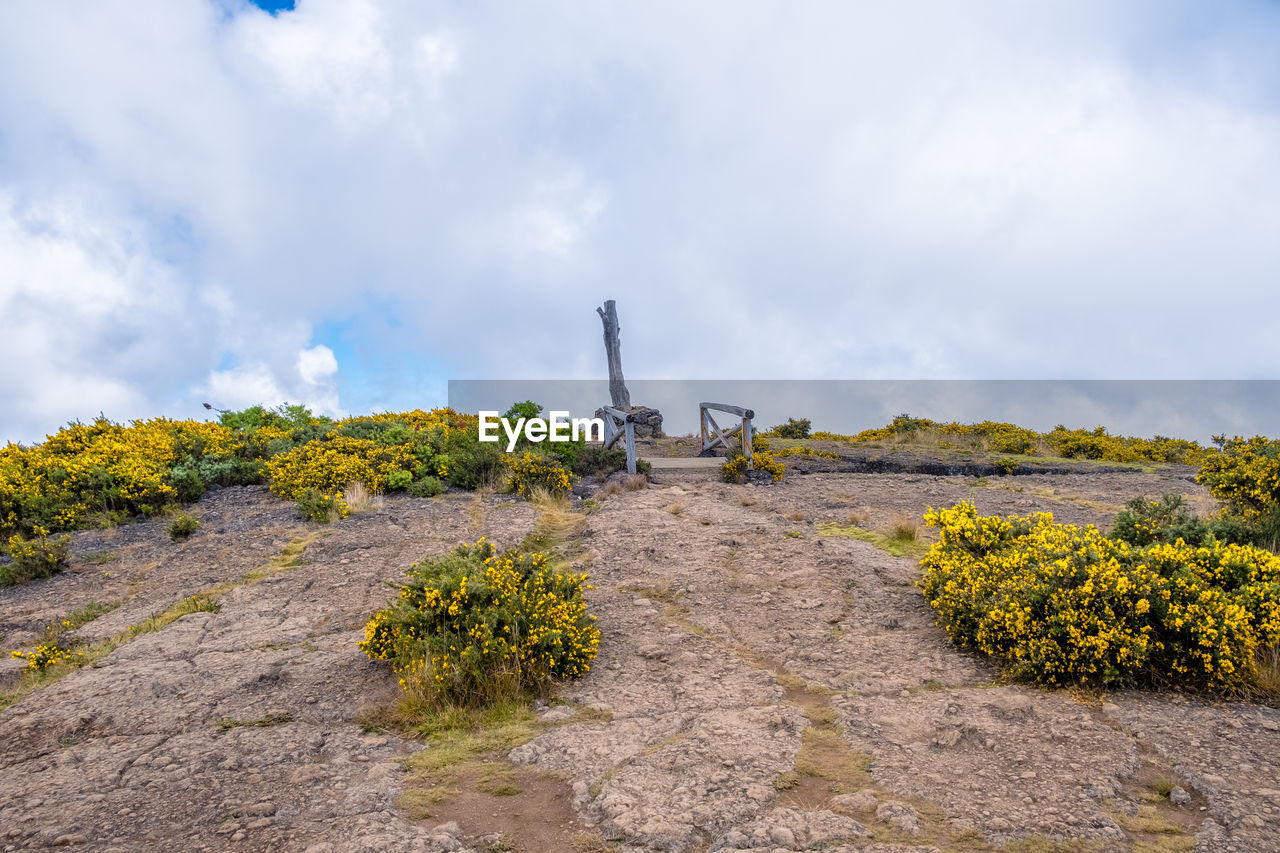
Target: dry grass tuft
[358,499]
[904,529]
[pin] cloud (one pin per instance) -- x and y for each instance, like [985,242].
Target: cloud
[199,190]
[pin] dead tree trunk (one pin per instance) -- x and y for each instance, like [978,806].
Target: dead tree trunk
[617,387]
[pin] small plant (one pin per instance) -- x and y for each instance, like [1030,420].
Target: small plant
[427,487]
[38,557]
[533,472]
[321,508]
[1006,465]
[47,655]
[183,526]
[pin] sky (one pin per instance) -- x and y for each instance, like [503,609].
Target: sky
[347,203]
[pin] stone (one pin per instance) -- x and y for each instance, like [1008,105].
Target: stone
[901,815]
[782,836]
[1179,796]
[859,801]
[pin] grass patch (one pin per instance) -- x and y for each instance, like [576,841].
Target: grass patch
[76,618]
[896,543]
[1148,821]
[824,755]
[557,523]
[467,750]
[100,558]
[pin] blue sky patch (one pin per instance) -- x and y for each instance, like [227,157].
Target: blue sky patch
[274,6]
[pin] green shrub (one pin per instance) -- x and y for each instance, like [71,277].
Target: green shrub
[38,557]
[427,487]
[1061,604]
[1143,522]
[317,506]
[527,409]
[793,428]
[397,480]
[534,472]
[183,526]
[475,627]
[470,463]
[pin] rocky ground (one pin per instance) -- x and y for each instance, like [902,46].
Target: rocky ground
[760,686]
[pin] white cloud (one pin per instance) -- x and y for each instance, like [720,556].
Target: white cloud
[1054,189]
[317,365]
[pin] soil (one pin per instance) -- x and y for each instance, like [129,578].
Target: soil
[760,686]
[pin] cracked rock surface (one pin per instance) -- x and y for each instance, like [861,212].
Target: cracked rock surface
[759,686]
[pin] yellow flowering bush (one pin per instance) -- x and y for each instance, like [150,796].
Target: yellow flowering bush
[103,472]
[535,471]
[101,468]
[998,437]
[1062,604]
[38,557]
[329,464]
[46,655]
[1244,476]
[735,469]
[476,626]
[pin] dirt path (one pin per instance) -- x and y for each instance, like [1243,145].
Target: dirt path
[760,686]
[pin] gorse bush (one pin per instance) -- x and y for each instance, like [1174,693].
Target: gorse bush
[793,428]
[534,472]
[735,469]
[475,627]
[997,437]
[1245,477]
[1061,604]
[1143,522]
[183,526]
[102,472]
[38,557]
[315,505]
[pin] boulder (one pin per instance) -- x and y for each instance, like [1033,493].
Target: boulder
[648,421]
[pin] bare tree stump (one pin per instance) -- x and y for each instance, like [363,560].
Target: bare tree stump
[618,393]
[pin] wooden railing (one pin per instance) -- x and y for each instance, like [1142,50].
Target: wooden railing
[713,436]
[618,424]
